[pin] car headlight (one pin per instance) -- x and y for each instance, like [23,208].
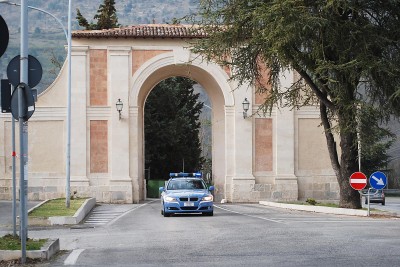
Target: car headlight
[169,199]
[208,198]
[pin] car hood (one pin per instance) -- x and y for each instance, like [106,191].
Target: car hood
[187,193]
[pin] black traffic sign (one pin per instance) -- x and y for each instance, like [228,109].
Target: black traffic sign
[4,36]
[5,96]
[34,71]
[27,101]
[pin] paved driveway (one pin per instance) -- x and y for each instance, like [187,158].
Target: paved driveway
[6,220]
[237,235]
[392,205]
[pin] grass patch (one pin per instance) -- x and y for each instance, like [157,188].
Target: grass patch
[9,242]
[331,205]
[322,204]
[56,207]
[327,204]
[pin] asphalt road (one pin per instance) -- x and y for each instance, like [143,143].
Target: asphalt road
[392,205]
[237,235]
[6,221]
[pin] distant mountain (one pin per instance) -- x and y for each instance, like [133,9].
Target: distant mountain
[47,39]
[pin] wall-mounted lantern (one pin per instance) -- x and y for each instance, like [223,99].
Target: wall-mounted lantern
[246,105]
[119,105]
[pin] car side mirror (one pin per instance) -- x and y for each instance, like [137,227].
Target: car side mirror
[161,189]
[211,188]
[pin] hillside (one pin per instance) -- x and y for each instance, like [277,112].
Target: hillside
[46,37]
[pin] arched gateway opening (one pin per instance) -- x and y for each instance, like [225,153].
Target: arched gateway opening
[177,132]
[214,81]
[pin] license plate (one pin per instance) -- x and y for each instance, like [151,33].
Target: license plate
[188,204]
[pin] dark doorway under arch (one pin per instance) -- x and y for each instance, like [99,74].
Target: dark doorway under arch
[177,129]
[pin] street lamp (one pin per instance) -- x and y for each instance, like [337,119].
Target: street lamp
[246,105]
[68,37]
[119,105]
[41,10]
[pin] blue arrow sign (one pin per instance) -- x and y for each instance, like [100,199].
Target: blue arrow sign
[378,180]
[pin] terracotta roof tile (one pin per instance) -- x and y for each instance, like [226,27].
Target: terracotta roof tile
[143,31]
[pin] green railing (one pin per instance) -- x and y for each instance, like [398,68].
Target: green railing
[153,188]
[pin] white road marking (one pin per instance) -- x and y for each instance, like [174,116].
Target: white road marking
[101,217]
[252,216]
[127,212]
[73,257]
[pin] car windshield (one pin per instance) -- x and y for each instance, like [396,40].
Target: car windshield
[182,184]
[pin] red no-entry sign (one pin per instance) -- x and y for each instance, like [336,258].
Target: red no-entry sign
[358,180]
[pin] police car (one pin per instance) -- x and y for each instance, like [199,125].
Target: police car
[186,193]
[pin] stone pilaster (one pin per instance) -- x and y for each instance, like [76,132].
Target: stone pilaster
[229,153]
[285,186]
[119,74]
[243,180]
[79,103]
[136,148]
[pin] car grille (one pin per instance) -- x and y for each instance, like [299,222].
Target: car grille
[189,199]
[188,208]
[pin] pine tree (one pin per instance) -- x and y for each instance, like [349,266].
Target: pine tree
[375,139]
[172,128]
[346,52]
[82,20]
[106,17]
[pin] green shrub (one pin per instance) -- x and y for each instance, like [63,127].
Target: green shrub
[311,201]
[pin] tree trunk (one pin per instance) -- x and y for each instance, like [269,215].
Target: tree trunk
[349,198]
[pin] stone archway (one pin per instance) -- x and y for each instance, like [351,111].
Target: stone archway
[214,81]
[264,156]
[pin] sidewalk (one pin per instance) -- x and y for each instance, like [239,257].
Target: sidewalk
[391,209]
[6,221]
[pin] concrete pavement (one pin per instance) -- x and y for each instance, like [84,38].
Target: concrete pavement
[392,208]
[6,221]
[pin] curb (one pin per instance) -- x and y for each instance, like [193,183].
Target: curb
[51,247]
[320,209]
[79,215]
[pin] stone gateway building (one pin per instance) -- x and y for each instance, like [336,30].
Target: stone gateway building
[282,156]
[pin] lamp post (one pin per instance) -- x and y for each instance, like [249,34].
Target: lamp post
[41,10]
[23,130]
[246,105]
[68,141]
[68,38]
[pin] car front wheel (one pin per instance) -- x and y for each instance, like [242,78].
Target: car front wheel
[166,214]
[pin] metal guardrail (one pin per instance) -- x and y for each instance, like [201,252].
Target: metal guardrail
[392,191]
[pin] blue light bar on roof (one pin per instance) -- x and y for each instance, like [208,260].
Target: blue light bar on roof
[185,174]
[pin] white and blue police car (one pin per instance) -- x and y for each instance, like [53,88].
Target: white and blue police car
[186,193]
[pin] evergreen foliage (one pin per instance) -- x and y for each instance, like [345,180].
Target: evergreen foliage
[172,128]
[346,53]
[106,17]
[375,141]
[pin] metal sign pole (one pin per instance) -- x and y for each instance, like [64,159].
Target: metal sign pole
[22,199]
[68,157]
[23,128]
[369,193]
[359,136]
[14,181]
